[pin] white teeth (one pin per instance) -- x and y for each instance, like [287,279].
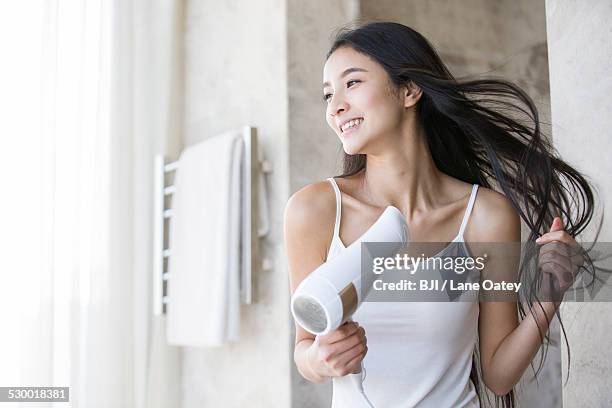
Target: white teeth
[351,123]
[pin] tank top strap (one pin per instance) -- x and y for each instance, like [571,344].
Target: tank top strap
[468,210]
[338,205]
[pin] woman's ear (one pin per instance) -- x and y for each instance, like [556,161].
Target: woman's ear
[412,94]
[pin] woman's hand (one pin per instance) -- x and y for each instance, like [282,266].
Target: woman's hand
[340,352]
[559,261]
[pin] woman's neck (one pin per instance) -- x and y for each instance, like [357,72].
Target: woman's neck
[404,176]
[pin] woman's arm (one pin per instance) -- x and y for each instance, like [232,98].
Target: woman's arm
[304,221]
[309,220]
[507,347]
[518,349]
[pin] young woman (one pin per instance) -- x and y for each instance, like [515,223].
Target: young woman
[416,138]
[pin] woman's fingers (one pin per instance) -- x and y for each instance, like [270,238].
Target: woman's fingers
[343,359]
[350,359]
[350,342]
[561,260]
[561,236]
[340,353]
[554,280]
[548,261]
[345,330]
[354,365]
[560,241]
[571,259]
[559,272]
[557,264]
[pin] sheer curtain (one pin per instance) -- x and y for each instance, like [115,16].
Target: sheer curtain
[78,142]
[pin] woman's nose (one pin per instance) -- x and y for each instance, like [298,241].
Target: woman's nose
[337,105]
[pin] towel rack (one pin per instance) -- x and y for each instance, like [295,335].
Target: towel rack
[250,256]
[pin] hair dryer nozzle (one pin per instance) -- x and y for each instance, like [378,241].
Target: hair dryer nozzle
[317,306]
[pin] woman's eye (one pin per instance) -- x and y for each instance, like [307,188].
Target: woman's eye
[327,96]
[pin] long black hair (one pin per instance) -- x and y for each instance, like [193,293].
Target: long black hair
[478,131]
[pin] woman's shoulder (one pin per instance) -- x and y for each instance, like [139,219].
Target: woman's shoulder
[317,198]
[494,217]
[488,202]
[312,210]
[493,199]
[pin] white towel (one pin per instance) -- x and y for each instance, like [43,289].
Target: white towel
[204,264]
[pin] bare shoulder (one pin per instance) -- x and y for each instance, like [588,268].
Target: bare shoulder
[309,218]
[313,205]
[494,218]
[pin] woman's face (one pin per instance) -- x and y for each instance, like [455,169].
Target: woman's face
[356,87]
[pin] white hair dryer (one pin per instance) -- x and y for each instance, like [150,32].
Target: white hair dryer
[330,295]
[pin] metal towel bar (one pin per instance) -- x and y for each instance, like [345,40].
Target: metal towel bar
[250,254]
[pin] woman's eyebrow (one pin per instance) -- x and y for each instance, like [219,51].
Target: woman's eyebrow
[346,72]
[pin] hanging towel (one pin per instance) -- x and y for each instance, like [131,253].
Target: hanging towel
[204,263]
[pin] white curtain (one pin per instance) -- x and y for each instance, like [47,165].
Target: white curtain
[82,126]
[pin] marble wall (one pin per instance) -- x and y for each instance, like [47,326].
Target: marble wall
[580,56]
[502,38]
[235,75]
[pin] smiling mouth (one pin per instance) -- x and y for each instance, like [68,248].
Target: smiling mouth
[352,125]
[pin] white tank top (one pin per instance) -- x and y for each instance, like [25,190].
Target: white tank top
[419,353]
